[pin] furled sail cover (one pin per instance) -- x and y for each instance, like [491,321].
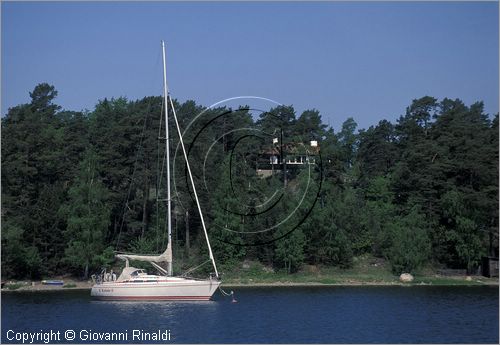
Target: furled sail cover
[165,257]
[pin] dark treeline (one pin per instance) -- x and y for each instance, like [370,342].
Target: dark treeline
[77,186]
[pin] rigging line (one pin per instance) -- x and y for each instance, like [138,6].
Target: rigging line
[194,268]
[154,73]
[163,165]
[133,172]
[125,206]
[158,181]
[160,174]
[194,187]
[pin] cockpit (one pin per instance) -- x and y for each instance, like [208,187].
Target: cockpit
[137,273]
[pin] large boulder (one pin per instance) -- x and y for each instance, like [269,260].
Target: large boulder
[406,278]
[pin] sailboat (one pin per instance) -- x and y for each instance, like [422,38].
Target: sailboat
[135,283]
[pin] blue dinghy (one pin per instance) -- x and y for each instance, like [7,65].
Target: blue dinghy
[52,282]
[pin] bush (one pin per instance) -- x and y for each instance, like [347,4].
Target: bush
[14,286]
[289,252]
[410,244]
[338,248]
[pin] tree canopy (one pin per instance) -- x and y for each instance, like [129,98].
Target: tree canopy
[78,185]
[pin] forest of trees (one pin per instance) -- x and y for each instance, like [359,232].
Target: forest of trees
[78,186]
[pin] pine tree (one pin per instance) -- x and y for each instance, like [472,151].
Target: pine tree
[87,215]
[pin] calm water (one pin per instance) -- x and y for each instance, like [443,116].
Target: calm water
[420,314]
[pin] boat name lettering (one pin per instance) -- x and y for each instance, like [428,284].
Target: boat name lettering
[105,290]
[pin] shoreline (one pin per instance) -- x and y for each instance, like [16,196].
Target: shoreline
[316,284]
[447,281]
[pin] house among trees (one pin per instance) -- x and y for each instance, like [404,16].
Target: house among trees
[296,155]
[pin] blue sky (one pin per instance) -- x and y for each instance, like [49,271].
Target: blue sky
[360,60]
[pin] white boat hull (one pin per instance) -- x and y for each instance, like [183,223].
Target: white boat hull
[172,289]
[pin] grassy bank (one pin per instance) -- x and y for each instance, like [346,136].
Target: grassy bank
[365,271]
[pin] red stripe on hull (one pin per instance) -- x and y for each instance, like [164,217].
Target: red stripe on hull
[154,298]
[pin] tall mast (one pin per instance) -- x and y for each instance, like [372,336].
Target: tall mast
[167,149]
[169,206]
